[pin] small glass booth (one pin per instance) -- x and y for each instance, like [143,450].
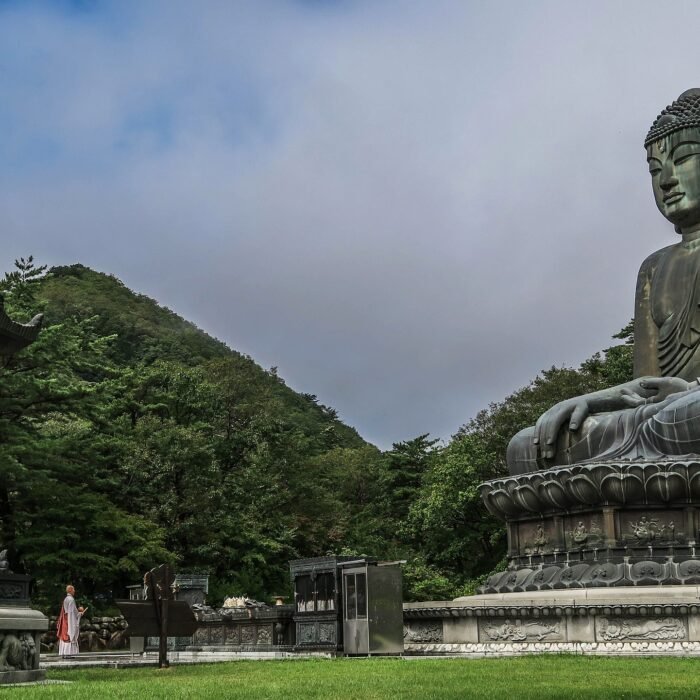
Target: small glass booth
[317,603]
[348,604]
[372,607]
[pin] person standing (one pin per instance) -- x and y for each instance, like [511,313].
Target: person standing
[68,625]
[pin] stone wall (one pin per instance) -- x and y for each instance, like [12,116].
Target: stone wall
[629,620]
[268,628]
[96,634]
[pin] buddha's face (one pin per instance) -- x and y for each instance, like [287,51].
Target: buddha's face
[674,165]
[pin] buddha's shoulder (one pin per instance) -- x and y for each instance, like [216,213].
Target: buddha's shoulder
[653,260]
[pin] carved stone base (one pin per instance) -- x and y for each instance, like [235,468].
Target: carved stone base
[22,676]
[590,648]
[591,525]
[643,620]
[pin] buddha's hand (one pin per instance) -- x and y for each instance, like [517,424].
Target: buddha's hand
[655,389]
[547,428]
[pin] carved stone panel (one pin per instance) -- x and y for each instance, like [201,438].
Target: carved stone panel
[247,634]
[233,635]
[306,633]
[689,568]
[216,635]
[201,636]
[11,591]
[265,634]
[656,527]
[506,630]
[326,632]
[584,531]
[423,632]
[538,537]
[638,629]
[647,570]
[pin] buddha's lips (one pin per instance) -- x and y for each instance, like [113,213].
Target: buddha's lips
[673,197]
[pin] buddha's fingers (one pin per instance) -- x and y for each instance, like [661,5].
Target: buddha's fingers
[631,398]
[578,415]
[664,385]
[554,419]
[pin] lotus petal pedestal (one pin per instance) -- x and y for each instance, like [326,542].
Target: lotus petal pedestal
[592,525]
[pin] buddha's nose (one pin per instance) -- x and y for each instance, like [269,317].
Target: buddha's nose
[668,179]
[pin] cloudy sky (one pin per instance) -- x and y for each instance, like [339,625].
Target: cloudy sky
[410,207]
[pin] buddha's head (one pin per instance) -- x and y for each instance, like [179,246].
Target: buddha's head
[673,154]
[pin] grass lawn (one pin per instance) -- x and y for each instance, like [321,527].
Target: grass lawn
[566,677]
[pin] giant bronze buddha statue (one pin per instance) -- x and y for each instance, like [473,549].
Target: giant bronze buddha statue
[656,415]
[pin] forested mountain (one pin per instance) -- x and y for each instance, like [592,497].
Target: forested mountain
[129,437]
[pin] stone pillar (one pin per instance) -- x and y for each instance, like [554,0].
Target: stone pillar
[559,538]
[690,525]
[513,544]
[609,528]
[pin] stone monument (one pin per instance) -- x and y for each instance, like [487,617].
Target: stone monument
[602,504]
[20,626]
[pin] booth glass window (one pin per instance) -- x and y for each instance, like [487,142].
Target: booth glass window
[355,596]
[350,597]
[325,592]
[361,589]
[304,594]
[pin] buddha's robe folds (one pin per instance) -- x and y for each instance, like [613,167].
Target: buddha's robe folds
[667,344]
[667,313]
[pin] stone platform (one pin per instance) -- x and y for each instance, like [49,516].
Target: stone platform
[643,620]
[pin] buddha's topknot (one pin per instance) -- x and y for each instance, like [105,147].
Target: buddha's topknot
[684,113]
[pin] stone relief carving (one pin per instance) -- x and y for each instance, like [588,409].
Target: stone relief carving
[582,536]
[423,632]
[689,568]
[201,636]
[539,544]
[10,591]
[247,635]
[17,651]
[610,629]
[518,631]
[650,530]
[326,632]
[216,635]
[306,633]
[264,635]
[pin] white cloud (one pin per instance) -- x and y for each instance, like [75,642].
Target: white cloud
[410,208]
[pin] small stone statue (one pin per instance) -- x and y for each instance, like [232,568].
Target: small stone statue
[580,535]
[17,651]
[4,564]
[657,414]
